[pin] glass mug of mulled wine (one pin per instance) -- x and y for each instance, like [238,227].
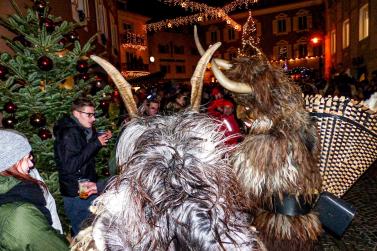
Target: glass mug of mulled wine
[83,189]
[101,132]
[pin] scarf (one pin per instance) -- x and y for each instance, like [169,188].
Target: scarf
[30,193]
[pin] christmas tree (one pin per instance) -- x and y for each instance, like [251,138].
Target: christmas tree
[38,82]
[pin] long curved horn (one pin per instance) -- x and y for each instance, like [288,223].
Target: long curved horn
[197,77]
[197,42]
[225,64]
[123,86]
[233,86]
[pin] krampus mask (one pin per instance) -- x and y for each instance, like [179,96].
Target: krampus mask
[277,161]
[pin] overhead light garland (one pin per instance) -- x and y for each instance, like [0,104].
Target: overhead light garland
[196,18]
[201,7]
[205,13]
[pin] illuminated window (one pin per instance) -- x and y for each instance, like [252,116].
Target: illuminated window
[333,42]
[363,22]
[346,33]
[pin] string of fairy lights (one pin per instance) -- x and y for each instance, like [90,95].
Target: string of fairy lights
[205,13]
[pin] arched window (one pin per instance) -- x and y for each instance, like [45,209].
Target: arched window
[282,50]
[282,24]
[212,35]
[302,21]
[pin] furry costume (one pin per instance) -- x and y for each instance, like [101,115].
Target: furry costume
[279,157]
[175,191]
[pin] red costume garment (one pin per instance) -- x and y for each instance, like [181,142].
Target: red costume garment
[230,128]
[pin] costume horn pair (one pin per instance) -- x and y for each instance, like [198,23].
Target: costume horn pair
[125,88]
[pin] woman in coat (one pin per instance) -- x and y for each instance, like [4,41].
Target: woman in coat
[25,221]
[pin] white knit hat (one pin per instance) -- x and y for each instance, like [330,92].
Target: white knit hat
[13,147]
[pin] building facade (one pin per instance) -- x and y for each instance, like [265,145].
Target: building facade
[174,54]
[134,50]
[351,34]
[291,33]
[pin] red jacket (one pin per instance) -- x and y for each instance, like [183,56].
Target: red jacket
[231,128]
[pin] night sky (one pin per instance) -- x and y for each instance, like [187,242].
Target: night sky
[159,11]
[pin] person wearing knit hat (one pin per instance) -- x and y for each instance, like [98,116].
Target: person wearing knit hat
[14,147]
[26,223]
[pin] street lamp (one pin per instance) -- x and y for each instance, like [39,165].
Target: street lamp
[315,40]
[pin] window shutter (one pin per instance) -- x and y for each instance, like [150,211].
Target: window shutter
[237,34]
[259,29]
[275,26]
[288,24]
[295,23]
[295,51]
[310,50]
[310,22]
[289,48]
[276,52]
[208,37]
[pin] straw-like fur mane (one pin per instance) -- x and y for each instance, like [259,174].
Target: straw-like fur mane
[175,191]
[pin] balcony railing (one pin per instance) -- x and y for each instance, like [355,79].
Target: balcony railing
[135,67]
[133,40]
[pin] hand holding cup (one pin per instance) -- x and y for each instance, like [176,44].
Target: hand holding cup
[86,188]
[104,136]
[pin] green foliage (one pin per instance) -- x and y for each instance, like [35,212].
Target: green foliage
[36,91]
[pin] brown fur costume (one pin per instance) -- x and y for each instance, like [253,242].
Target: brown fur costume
[279,156]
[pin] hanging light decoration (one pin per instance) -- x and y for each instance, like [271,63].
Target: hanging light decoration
[205,13]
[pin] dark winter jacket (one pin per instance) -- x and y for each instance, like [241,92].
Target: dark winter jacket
[24,221]
[74,155]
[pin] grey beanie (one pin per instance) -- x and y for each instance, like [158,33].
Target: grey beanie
[13,147]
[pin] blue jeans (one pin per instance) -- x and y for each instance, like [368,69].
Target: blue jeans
[77,210]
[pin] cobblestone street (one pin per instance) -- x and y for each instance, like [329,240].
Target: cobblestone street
[362,233]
